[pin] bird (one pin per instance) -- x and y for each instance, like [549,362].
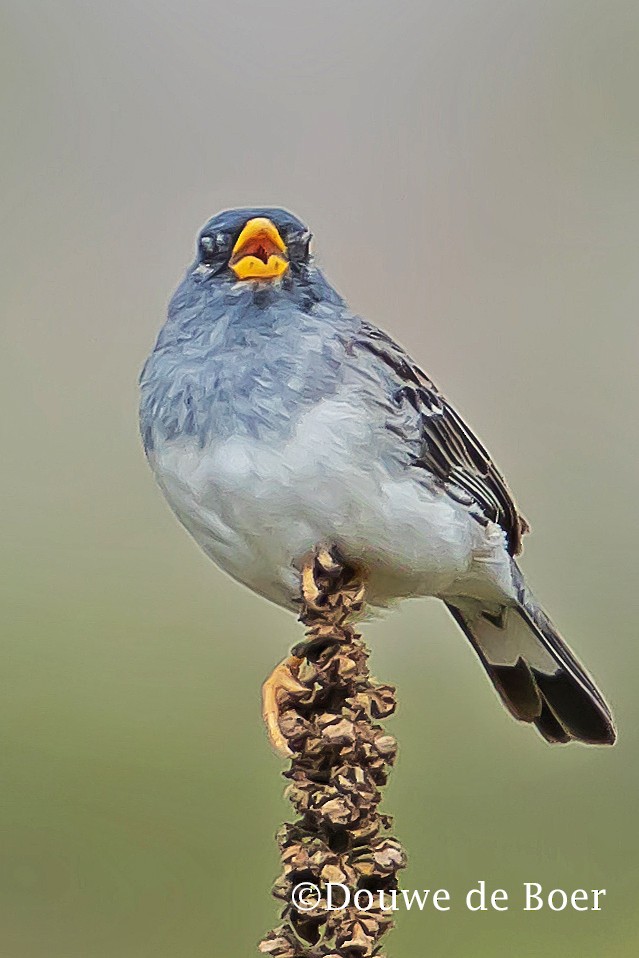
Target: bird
[278,421]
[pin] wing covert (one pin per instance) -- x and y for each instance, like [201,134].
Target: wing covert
[450,451]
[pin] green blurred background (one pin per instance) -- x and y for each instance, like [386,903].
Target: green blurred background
[470,172]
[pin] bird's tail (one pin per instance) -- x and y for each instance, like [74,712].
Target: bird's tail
[535,673]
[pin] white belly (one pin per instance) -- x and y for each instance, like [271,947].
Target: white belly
[258,508]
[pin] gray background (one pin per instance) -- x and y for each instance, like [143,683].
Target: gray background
[470,172]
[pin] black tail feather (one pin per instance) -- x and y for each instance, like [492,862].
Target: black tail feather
[533,670]
[548,726]
[517,687]
[580,715]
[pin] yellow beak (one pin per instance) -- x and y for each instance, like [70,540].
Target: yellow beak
[260,251]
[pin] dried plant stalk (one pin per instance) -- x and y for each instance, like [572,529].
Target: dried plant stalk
[340,759]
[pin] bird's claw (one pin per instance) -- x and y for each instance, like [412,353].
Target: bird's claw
[283,679]
[321,575]
[321,563]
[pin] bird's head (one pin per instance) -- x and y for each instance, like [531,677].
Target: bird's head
[254,246]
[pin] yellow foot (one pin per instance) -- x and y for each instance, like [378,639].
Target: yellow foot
[323,579]
[283,678]
[320,562]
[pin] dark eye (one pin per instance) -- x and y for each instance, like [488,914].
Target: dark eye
[208,249]
[299,246]
[214,250]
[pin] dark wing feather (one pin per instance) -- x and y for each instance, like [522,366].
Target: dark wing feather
[450,450]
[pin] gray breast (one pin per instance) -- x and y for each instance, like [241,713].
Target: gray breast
[227,364]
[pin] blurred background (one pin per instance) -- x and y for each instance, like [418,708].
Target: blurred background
[470,172]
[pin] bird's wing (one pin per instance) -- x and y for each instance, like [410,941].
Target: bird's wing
[449,449]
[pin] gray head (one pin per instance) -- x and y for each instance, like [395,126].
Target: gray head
[253,280]
[264,250]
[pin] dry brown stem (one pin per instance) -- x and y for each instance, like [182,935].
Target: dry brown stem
[341,759]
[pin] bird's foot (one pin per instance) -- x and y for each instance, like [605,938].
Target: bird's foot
[283,679]
[320,566]
[331,593]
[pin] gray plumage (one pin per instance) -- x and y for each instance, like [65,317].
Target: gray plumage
[275,420]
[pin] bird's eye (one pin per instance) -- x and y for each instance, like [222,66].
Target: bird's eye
[208,249]
[299,246]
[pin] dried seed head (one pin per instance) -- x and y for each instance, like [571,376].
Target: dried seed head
[340,759]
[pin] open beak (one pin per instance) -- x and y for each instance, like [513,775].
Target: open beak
[260,251]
